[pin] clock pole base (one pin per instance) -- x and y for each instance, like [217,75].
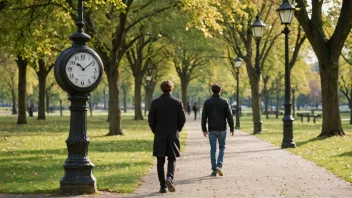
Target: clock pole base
[79,188]
[78,180]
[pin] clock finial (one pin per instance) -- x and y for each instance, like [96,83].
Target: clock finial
[80,37]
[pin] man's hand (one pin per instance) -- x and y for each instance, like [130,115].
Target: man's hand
[205,134]
[231,132]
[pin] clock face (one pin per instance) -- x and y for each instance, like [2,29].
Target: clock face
[82,69]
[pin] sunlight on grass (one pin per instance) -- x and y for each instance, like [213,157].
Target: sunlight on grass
[334,153]
[32,155]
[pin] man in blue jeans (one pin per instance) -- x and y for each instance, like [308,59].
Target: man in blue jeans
[216,111]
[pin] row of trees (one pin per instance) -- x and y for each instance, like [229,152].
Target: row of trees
[325,31]
[190,42]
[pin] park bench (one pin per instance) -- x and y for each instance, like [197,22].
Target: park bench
[308,116]
[273,112]
[234,109]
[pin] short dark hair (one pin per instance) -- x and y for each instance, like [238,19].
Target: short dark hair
[166,86]
[216,88]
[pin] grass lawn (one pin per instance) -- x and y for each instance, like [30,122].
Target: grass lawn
[334,153]
[32,155]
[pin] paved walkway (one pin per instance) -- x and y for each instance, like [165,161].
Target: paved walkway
[252,168]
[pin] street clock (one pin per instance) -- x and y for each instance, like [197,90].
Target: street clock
[78,69]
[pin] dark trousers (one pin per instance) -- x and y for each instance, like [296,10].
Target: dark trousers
[171,162]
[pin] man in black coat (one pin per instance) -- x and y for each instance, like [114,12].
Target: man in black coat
[166,119]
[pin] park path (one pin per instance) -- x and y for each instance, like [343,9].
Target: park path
[252,168]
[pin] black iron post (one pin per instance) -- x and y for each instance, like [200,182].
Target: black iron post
[258,70]
[78,177]
[350,104]
[147,80]
[145,98]
[257,123]
[238,125]
[257,30]
[287,141]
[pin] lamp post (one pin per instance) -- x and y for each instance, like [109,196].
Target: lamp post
[147,80]
[238,62]
[257,30]
[286,11]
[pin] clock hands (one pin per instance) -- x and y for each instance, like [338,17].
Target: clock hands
[83,68]
[80,66]
[88,65]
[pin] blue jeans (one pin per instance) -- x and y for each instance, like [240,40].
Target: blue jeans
[214,137]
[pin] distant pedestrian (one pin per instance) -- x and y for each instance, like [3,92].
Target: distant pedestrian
[195,110]
[188,108]
[166,119]
[216,111]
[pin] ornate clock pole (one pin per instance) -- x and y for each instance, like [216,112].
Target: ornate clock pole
[78,71]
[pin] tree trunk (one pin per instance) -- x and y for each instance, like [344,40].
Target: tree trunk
[42,87]
[254,81]
[61,108]
[22,90]
[293,103]
[149,94]
[184,88]
[350,105]
[124,100]
[328,51]
[329,90]
[266,99]
[149,98]
[145,103]
[14,102]
[138,98]
[47,102]
[105,99]
[114,116]
[350,111]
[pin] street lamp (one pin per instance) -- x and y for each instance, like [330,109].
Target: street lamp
[257,30]
[286,11]
[147,80]
[238,62]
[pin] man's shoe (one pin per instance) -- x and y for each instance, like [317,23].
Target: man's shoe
[218,170]
[213,173]
[170,185]
[162,190]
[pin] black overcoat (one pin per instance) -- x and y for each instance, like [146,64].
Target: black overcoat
[166,119]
